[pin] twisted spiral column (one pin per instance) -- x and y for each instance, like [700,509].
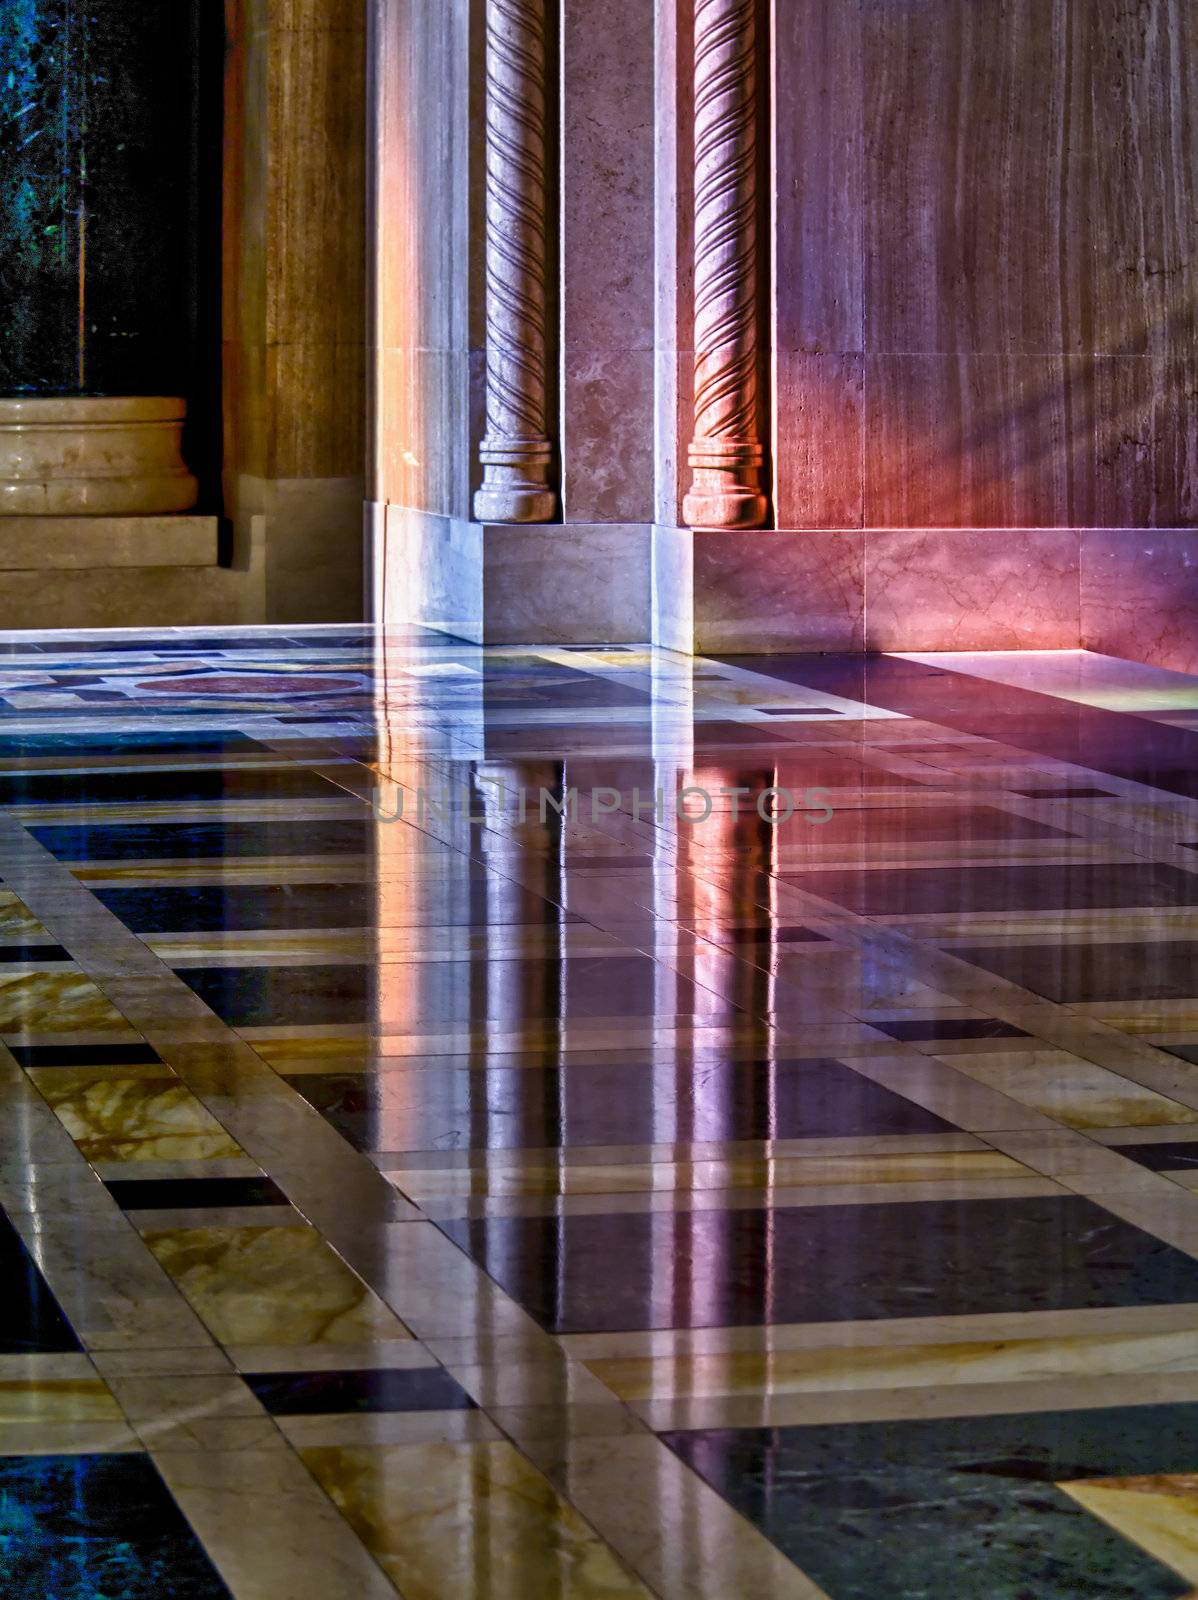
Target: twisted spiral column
[725,452]
[516,451]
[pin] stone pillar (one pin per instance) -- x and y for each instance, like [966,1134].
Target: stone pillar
[725,451]
[516,451]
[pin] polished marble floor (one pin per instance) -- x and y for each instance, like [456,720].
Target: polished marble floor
[568,1124]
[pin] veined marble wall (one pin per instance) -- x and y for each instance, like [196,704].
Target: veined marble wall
[976,323]
[987,281]
[295,297]
[426,263]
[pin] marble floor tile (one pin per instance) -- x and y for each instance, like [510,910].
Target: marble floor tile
[266,1525]
[1157,1513]
[812,1491]
[271,1286]
[95,1523]
[442,1518]
[531,1204]
[131,1119]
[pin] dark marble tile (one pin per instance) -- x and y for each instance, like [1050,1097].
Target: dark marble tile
[310,1394]
[874,827]
[593,1274]
[252,997]
[1066,794]
[31,1320]
[194,741]
[101,1527]
[948,1508]
[1163,1157]
[201,841]
[1033,886]
[613,1103]
[85,1055]
[33,952]
[713,735]
[198,646]
[1113,742]
[1151,970]
[137,786]
[580,691]
[793,933]
[556,740]
[470,900]
[950,1028]
[179,1194]
[400,997]
[610,863]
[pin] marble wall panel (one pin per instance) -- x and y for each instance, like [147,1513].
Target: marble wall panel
[972,589]
[316,278]
[317,395]
[818,91]
[1139,595]
[966,441]
[777,591]
[295,296]
[607,420]
[820,416]
[993,202]
[673,258]
[422,264]
[607,255]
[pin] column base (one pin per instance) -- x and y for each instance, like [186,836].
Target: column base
[518,506]
[499,583]
[731,510]
[93,455]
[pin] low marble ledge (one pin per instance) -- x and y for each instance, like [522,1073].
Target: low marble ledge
[899,589]
[566,583]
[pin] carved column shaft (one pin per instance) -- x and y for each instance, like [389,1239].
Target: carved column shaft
[516,451]
[725,453]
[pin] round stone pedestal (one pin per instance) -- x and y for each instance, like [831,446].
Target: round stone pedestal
[78,456]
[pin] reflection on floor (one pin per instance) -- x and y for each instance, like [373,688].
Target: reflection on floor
[442,1156]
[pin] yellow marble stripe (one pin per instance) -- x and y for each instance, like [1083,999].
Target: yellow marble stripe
[272,1286]
[57,1400]
[279,946]
[886,1366]
[131,1117]
[343,805]
[1053,926]
[55,1002]
[606,1155]
[312,1055]
[1073,1091]
[471,1518]
[226,869]
[1160,1514]
[536,1176]
[1146,1016]
[17,922]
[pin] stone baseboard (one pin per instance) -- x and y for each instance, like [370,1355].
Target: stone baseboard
[492,583]
[62,544]
[1128,592]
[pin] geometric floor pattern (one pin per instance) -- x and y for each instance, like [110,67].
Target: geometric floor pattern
[591,1123]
